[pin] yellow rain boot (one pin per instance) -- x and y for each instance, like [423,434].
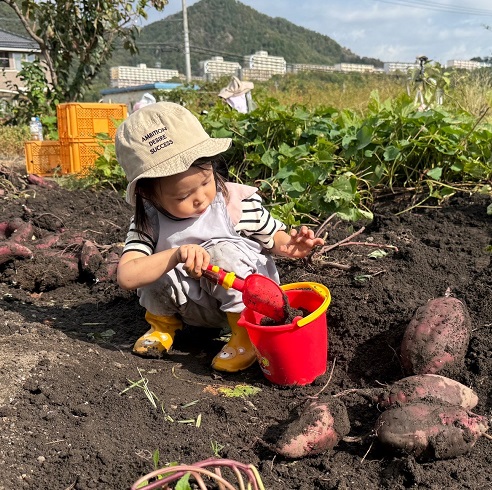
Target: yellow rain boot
[238,353]
[159,339]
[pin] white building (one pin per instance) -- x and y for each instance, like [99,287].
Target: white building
[300,67]
[394,66]
[216,67]
[354,67]
[261,61]
[466,64]
[129,76]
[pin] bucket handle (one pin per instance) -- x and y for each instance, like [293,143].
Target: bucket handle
[320,289]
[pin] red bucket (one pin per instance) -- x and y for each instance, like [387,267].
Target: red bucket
[294,354]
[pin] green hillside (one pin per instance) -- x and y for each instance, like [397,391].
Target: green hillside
[9,21]
[231,29]
[224,28]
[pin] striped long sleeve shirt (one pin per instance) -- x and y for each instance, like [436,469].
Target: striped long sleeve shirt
[255,223]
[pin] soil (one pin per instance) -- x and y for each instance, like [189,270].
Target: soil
[72,416]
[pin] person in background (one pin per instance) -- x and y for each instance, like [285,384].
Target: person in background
[238,95]
[146,100]
[187,217]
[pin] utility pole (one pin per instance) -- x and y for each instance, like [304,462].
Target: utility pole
[186,42]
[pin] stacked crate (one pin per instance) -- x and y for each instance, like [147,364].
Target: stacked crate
[44,158]
[77,148]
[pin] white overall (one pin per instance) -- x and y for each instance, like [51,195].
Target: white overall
[200,302]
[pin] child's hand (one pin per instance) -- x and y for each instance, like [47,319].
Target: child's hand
[299,243]
[195,259]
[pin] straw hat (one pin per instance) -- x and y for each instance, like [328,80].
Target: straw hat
[162,139]
[235,88]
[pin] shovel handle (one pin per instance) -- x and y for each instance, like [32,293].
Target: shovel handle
[226,279]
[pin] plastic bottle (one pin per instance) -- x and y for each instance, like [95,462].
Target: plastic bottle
[34,129]
[40,129]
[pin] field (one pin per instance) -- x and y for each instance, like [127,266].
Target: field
[68,423]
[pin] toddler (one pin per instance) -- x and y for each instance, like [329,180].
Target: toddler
[187,217]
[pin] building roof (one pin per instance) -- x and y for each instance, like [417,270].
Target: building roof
[147,86]
[15,42]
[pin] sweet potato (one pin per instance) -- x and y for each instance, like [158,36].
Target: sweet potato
[41,181]
[107,271]
[318,427]
[90,258]
[437,337]
[428,387]
[19,230]
[47,242]
[430,430]
[10,250]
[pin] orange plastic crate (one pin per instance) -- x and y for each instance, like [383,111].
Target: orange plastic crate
[44,158]
[81,154]
[85,120]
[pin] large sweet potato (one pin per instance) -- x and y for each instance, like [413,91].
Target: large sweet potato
[430,430]
[10,250]
[90,258]
[428,387]
[318,427]
[437,337]
[19,230]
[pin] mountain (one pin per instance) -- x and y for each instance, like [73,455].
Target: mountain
[231,29]
[224,28]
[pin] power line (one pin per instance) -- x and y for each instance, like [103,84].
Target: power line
[200,49]
[440,7]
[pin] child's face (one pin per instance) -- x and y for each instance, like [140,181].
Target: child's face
[189,193]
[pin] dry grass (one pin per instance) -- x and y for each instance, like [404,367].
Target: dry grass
[472,93]
[12,140]
[343,92]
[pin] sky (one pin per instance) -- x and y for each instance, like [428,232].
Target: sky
[389,30]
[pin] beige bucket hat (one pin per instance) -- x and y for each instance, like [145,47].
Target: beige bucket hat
[162,139]
[235,88]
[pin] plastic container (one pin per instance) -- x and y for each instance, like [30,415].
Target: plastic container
[40,129]
[297,353]
[81,154]
[78,120]
[34,129]
[44,158]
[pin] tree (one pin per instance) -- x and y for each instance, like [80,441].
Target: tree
[77,37]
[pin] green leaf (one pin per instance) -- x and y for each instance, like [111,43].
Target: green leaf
[239,391]
[364,137]
[269,158]
[155,458]
[435,173]
[391,153]
[354,214]
[183,483]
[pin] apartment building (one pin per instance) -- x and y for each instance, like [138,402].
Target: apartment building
[300,67]
[129,76]
[216,67]
[399,66]
[466,64]
[354,67]
[262,62]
